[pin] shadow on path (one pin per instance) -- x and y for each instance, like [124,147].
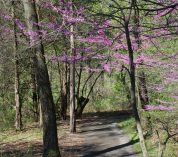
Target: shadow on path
[97,153]
[103,137]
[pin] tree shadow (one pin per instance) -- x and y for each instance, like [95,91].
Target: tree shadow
[101,122]
[25,148]
[34,149]
[105,118]
[98,153]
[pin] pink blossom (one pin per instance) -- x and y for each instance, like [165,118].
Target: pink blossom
[175,97]
[32,34]
[158,107]
[107,68]
[73,19]
[142,58]
[119,46]
[7,17]
[97,39]
[123,58]
[20,24]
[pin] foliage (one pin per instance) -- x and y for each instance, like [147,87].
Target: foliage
[128,125]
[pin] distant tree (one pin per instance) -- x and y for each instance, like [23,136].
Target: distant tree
[18,103]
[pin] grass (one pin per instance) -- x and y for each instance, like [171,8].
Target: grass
[28,142]
[27,135]
[21,143]
[31,132]
[129,127]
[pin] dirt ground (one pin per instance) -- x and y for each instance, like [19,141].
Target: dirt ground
[25,147]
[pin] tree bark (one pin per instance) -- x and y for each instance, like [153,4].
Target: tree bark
[18,104]
[143,92]
[162,148]
[50,139]
[72,84]
[40,116]
[89,84]
[34,94]
[63,83]
[162,145]
[143,98]
[81,103]
[64,95]
[133,91]
[142,88]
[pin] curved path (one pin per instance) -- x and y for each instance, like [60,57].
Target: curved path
[103,138]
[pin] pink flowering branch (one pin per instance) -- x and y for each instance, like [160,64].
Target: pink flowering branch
[158,108]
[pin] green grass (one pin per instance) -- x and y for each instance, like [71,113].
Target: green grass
[27,135]
[20,143]
[129,127]
[25,143]
[30,133]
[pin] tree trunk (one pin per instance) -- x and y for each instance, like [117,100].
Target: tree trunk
[162,148]
[162,145]
[90,82]
[18,105]
[64,97]
[41,116]
[34,94]
[82,102]
[133,91]
[142,88]
[143,93]
[63,79]
[50,139]
[72,84]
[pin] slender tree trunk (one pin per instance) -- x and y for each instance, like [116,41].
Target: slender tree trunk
[133,91]
[142,88]
[50,139]
[18,105]
[162,145]
[34,93]
[81,103]
[72,89]
[68,84]
[40,116]
[63,79]
[64,95]
[72,83]
[90,82]
[143,92]
[162,148]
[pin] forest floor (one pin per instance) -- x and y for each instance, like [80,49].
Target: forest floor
[98,135]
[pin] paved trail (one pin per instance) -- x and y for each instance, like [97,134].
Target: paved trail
[103,138]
